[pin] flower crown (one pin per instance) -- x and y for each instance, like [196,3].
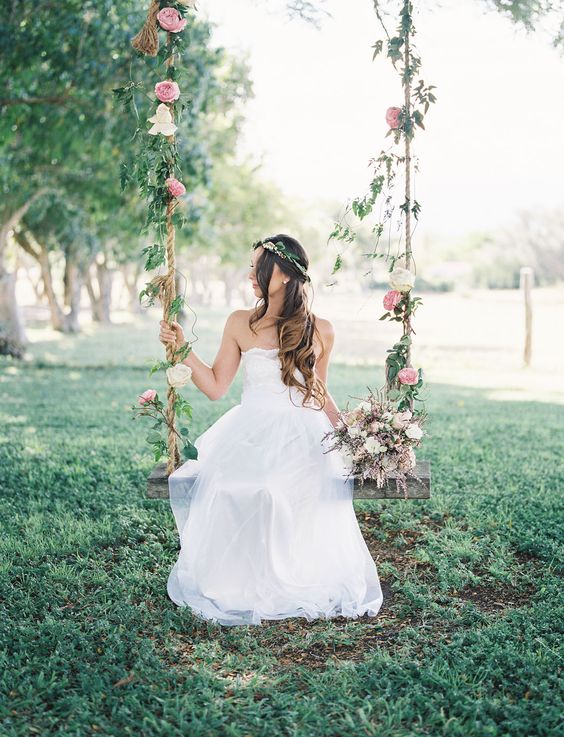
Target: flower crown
[280,250]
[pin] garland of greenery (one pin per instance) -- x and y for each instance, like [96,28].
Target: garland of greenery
[402,381]
[154,171]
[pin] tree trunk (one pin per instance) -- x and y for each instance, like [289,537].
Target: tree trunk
[130,273]
[41,255]
[74,281]
[13,338]
[55,310]
[100,296]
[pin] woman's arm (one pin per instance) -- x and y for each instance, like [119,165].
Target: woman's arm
[215,380]
[327,332]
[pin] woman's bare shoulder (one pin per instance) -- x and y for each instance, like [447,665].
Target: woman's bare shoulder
[325,327]
[239,314]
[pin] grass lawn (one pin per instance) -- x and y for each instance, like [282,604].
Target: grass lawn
[466,643]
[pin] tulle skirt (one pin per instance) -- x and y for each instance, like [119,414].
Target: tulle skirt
[266,521]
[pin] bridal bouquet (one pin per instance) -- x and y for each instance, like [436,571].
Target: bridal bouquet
[377,440]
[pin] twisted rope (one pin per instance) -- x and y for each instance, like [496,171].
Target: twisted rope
[407,320]
[147,40]
[169,294]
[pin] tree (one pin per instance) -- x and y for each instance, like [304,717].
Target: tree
[61,135]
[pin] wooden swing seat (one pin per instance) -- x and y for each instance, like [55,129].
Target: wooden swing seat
[157,485]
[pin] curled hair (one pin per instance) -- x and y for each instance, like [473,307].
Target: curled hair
[296,325]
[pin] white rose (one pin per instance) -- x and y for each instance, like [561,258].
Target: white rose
[414,432]
[372,445]
[401,419]
[402,279]
[354,431]
[162,121]
[179,374]
[364,406]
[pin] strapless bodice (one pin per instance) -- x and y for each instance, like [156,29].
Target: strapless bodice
[262,379]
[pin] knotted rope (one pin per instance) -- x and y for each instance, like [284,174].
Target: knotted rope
[147,40]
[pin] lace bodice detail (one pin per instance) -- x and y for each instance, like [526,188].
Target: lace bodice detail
[261,367]
[262,372]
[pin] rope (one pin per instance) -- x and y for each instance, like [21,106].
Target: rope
[147,40]
[407,321]
[169,295]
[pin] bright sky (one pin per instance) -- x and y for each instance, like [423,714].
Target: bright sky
[493,140]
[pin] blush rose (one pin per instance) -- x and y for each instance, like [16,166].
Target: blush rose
[392,116]
[391,299]
[171,20]
[175,187]
[167,91]
[147,396]
[408,375]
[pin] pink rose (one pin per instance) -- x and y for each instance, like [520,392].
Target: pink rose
[167,91]
[408,376]
[392,116]
[391,299]
[175,187]
[171,20]
[147,396]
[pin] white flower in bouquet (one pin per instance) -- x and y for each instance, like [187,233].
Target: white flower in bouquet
[372,445]
[355,431]
[386,416]
[401,419]
[364,406]
[179,374]
[414,432]
[402,279]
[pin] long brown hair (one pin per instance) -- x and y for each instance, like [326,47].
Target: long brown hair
[296,326]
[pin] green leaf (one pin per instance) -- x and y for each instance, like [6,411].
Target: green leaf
[175,306]
[377,48]
[160,365]
[156,256]
[190,452]
[338,263]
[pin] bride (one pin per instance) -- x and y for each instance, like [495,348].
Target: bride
[265,514]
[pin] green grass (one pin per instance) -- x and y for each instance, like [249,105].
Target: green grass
[467,642]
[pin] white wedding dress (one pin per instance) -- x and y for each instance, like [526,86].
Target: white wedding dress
[265,515]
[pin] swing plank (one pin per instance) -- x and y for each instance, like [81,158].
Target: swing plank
[157,485]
